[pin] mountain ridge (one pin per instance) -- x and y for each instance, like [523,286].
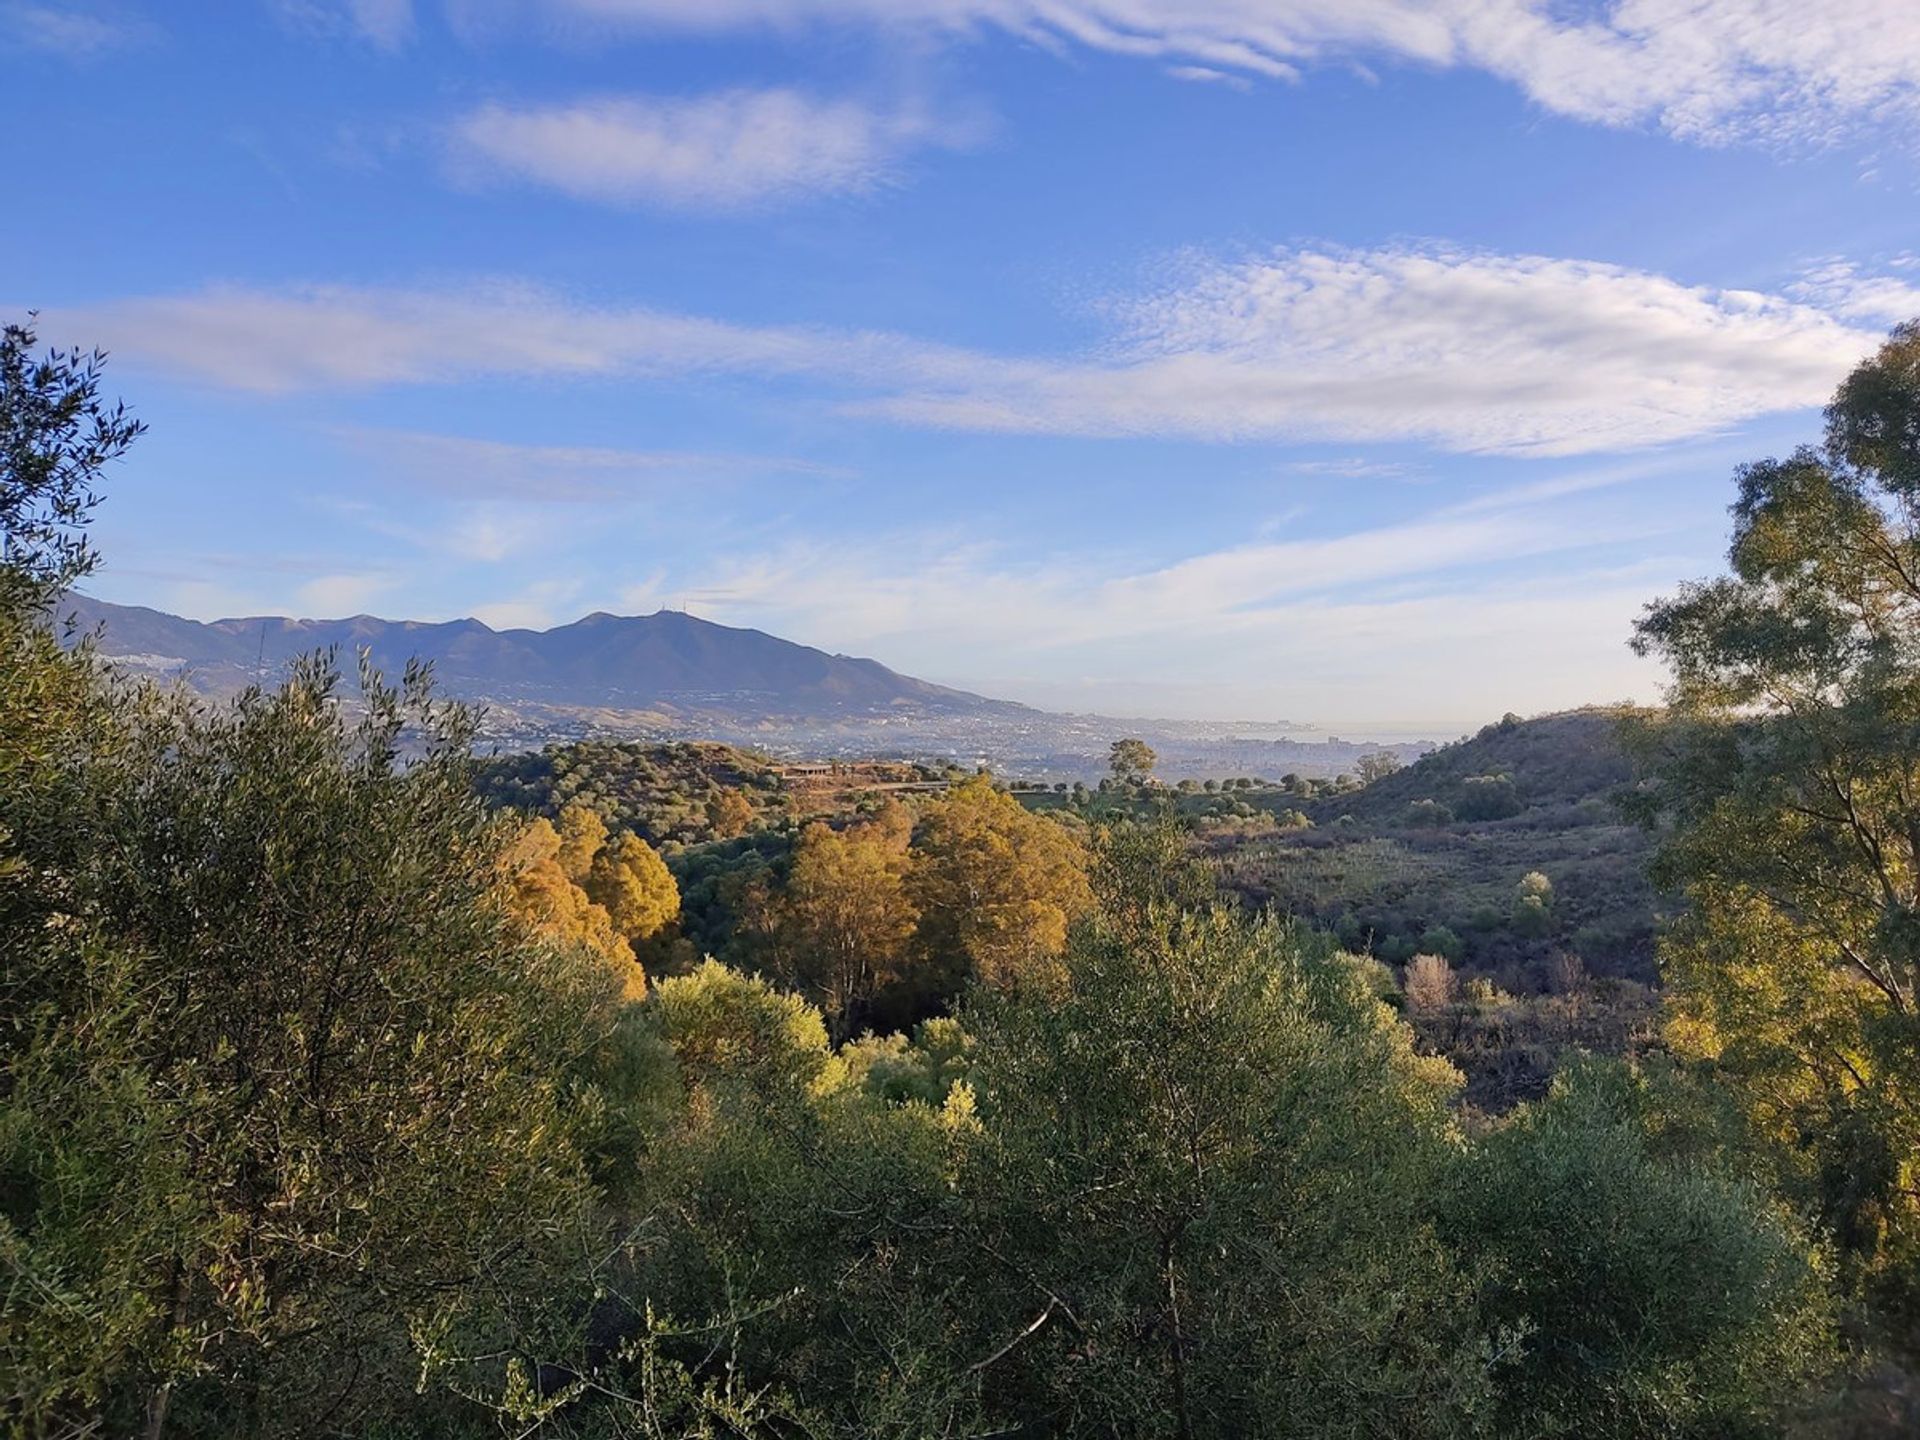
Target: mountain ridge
[602,659]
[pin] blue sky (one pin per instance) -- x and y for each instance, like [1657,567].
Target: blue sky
[1355,363]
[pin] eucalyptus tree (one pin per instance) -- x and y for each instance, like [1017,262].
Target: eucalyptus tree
[1788,771]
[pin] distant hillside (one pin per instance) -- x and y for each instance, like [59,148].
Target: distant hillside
[1432,856]
[665,660]
[660,792]
[1512,766]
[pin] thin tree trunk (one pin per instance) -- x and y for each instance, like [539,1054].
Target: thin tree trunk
[158,1402]
[1181,1413]
[157,1411]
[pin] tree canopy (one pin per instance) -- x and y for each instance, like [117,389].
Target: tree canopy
[1131,759]
[1789,771]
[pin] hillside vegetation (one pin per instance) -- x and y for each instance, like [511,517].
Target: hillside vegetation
[680,791]
[1445,843]
[1549,764]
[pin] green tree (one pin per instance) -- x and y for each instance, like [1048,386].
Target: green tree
[1206,1178]
[1131,759]
[57,437]
[287,1090]
[1487,797]
[1377,765]
[1641,1290]
[803,1257]
[1789,772]
[1532,914]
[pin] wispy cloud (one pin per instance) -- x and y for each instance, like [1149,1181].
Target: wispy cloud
[1466,350]
[384,24]
[1353,467]
[73,32]
[1207,75]
[1887,298]
[341,336]
[1369,614]
[470,468]
[1473,351]
[539,606]
[735,150]
[1788,71]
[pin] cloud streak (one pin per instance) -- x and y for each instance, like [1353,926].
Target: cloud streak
[470,468]
[384,24]
[735,150]
[73,33]
[1779,71]
[1224,628]
[1468,351]
[1473,352]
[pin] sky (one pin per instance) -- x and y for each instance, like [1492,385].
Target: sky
[1355,362]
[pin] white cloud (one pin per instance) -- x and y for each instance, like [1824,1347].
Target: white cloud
[77,34]
[1374,621]
[1471,351]
[331,596]
[1779,70]
[1207,75]
[1353,467]
[961,599]
[487,533]
[1884,299]
[1466,350]
[538,607]
[387,23]
[333,336]
[734,150]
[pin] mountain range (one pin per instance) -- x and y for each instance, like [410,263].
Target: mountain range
[665,661]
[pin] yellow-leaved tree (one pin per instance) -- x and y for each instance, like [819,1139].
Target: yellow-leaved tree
[582,834]
[846,918]
[997,888]
[632,883]
[543,893]
[729,813]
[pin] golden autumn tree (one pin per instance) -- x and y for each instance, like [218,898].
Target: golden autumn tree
[543,895]
[847,917]
[729,813]
[997,887]
[583,834]
[632,883]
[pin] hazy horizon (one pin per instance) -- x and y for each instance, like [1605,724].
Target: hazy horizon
[1398,729]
